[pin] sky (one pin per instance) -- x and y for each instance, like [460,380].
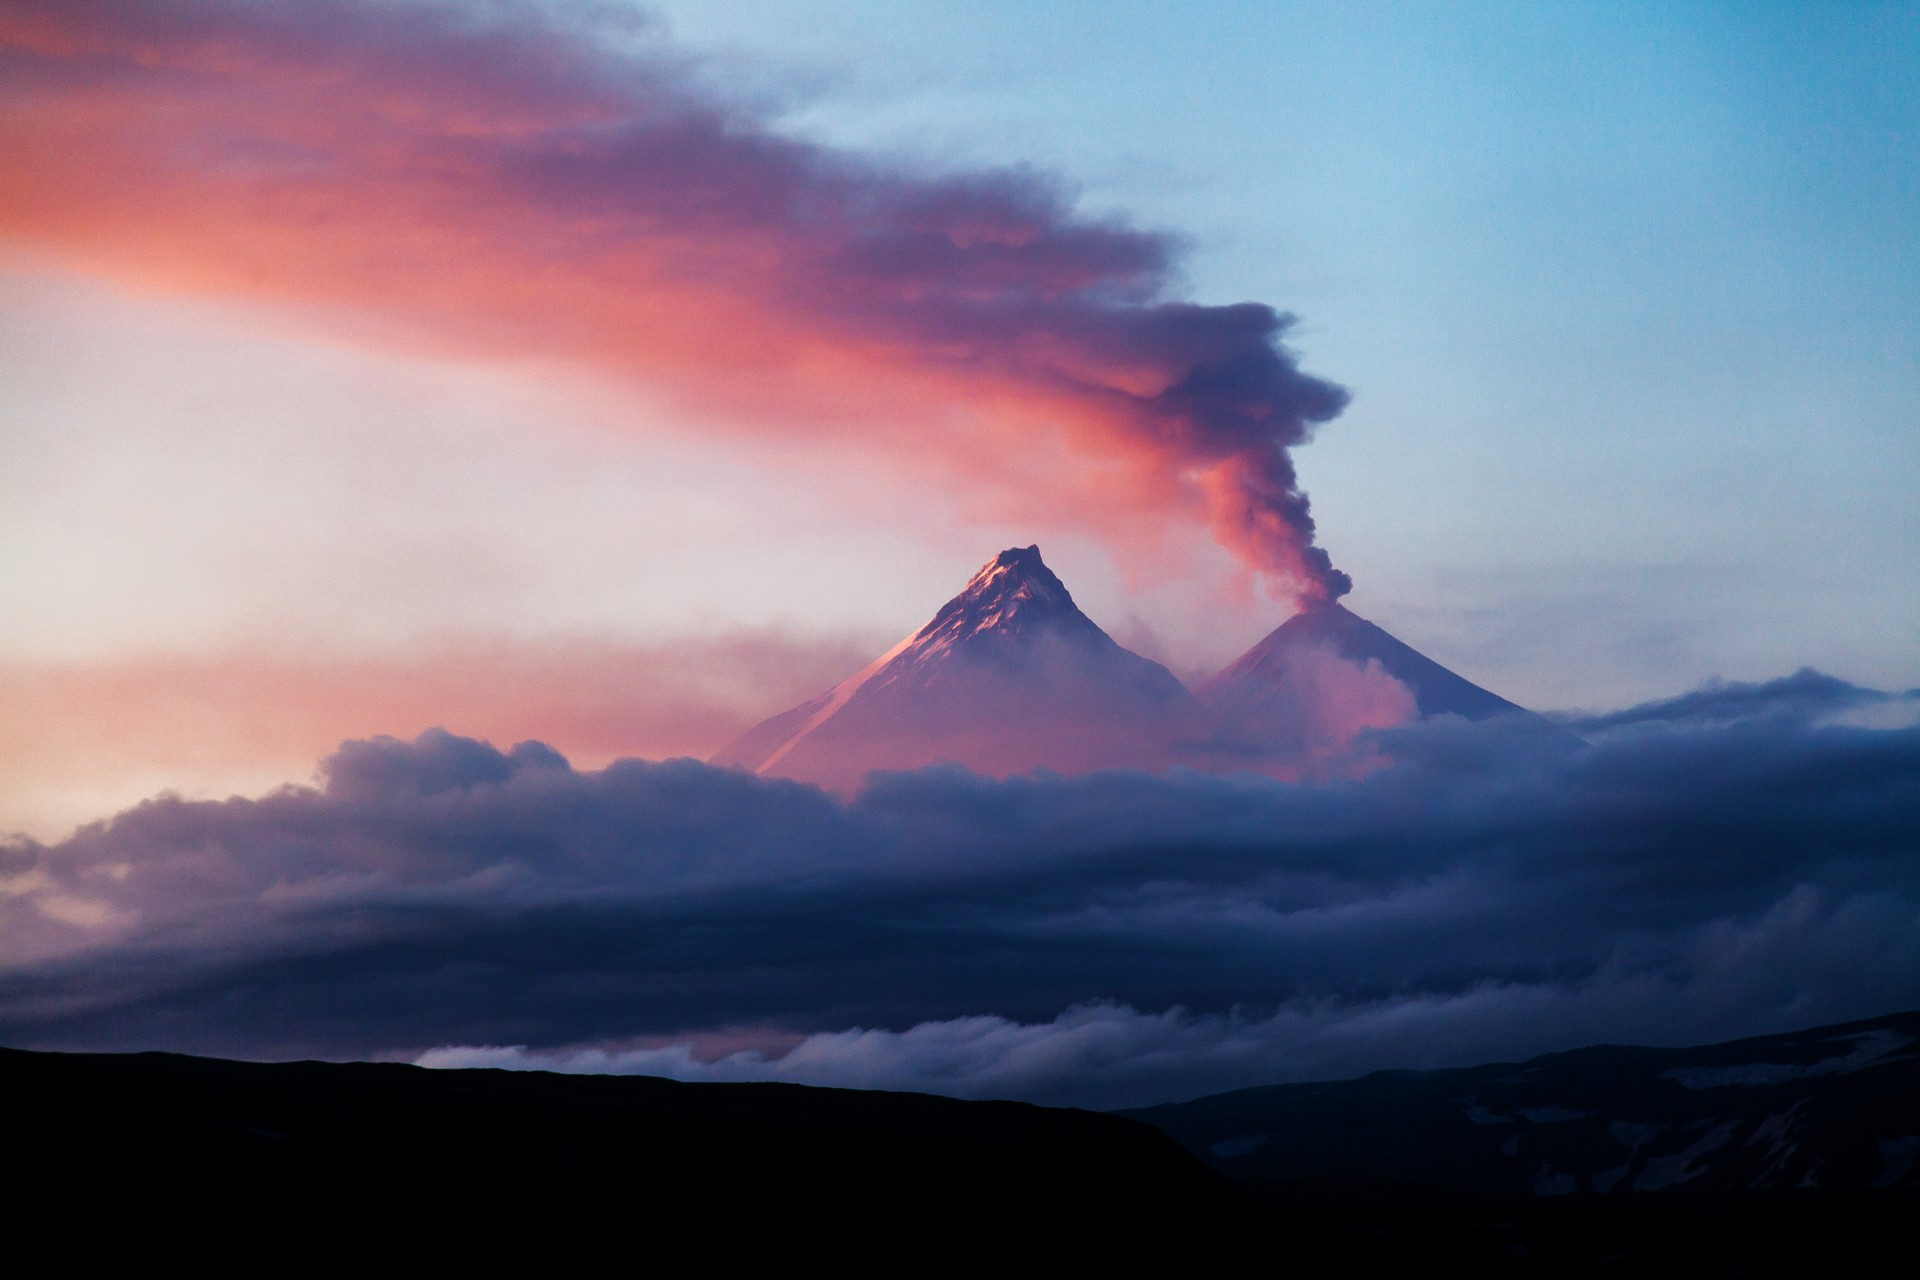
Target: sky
[1625,300]
[613,376]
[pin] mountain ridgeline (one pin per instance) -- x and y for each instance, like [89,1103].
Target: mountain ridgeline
[1834,1107]
[1010,676]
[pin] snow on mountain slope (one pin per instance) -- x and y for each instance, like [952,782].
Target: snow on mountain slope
[1009,676]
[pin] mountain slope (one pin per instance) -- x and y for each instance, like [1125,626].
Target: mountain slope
[1297,646]
[1835,1107]
[1008,676]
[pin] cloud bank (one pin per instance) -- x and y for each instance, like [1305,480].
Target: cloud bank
[495,180]
[87,737]
[1806,696]
[1109,939]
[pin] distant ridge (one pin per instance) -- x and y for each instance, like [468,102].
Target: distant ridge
[1834,1108]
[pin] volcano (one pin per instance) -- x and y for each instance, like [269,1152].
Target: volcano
[1297,647]
[1008,677]
[1301,695]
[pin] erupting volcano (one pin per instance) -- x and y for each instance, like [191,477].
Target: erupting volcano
[1010,676]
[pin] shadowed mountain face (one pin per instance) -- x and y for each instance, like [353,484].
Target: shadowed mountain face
[1835,1108]
[1008,677]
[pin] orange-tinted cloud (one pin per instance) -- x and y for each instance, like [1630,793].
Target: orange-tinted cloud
[484,181]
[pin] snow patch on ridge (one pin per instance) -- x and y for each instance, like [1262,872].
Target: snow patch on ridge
[1869,1048]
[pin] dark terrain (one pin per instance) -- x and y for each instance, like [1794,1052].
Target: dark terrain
[1778,1155]
[144,1114]
[1783,1155]
[384,1155]
[1834,1108]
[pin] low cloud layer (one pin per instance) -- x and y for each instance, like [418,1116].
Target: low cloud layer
[1806,696]
[1110,939]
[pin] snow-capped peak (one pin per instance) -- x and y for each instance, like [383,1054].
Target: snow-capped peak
[1008,675]
[1012,594]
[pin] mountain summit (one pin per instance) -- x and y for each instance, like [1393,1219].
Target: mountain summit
[1007,677]
[1014,595]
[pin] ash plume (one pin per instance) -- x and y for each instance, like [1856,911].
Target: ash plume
[501,180]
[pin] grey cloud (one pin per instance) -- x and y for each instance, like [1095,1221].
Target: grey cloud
[1479,895]
[1108,1055]
[1806,695]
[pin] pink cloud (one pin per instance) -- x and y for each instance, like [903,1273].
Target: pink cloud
[493,183]
[83,738]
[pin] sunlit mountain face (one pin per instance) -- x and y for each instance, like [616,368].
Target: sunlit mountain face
[1009,676]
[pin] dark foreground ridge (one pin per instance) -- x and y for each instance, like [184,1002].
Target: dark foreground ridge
[147,1155]
[468,1160]
[151,1113]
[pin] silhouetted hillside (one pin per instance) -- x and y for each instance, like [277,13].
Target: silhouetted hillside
[1834,1108]
[153,1112]
[143,1157]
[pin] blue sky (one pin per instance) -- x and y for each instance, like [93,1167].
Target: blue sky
[1628,295]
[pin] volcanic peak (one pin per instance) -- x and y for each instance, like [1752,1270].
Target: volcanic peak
[1331,626]
[1008,676]
[1013,594]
